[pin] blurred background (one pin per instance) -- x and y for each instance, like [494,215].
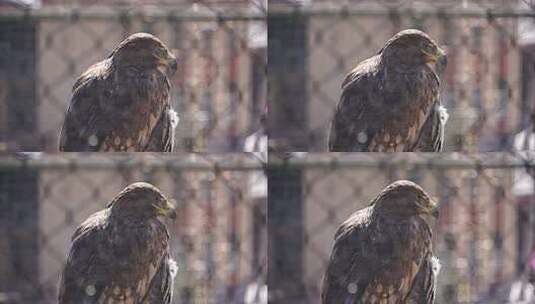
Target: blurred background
[219,238]
[219,89]
[488,86]
[484,237]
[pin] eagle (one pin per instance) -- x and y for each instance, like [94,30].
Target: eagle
[122,103]
[121,253]
[390,102]
[383,253]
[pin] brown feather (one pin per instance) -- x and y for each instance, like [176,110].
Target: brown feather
[121,254]
[381,253]
[388,98]
[118,102]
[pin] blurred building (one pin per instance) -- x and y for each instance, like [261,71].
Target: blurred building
[218,238]
[310,53]
[477,237]
[217,91]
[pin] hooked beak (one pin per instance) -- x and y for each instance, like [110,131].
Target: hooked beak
[438,56]
[172,64]
[168,65]
[167,211]
[435,210]
[172,214]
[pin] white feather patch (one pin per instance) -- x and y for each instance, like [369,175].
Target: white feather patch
[173,267]
[435,262]
[443,112]
[174,118]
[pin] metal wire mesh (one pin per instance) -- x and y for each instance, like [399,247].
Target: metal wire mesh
[218,238]
[487,85]
[483,237]
[218,90]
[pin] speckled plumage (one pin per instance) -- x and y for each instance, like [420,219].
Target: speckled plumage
[121,254]
[390,102]
[122,103]
[383,253]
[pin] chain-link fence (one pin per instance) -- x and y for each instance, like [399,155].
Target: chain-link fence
[219,90]
[487,86]
[218,238]
[483,237]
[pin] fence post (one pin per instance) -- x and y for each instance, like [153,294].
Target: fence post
[285,239]
[18,83]
[19,235]
[287,90]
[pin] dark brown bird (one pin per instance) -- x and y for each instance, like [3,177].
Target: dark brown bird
[382,253]
[122,103]
[390,102]
[121,254]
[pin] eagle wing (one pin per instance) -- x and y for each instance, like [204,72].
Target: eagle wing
[162,138]
[86,268]
[348,273]
[387,115]
[371,269]
[140,264]
[86,123]
[349,131]
[161,288]
[100,268]
[400,263]
[431,137]
[424,284]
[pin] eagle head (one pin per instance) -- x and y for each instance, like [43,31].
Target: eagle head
[142,200]
[144,51]
[405,198]
[412,47]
